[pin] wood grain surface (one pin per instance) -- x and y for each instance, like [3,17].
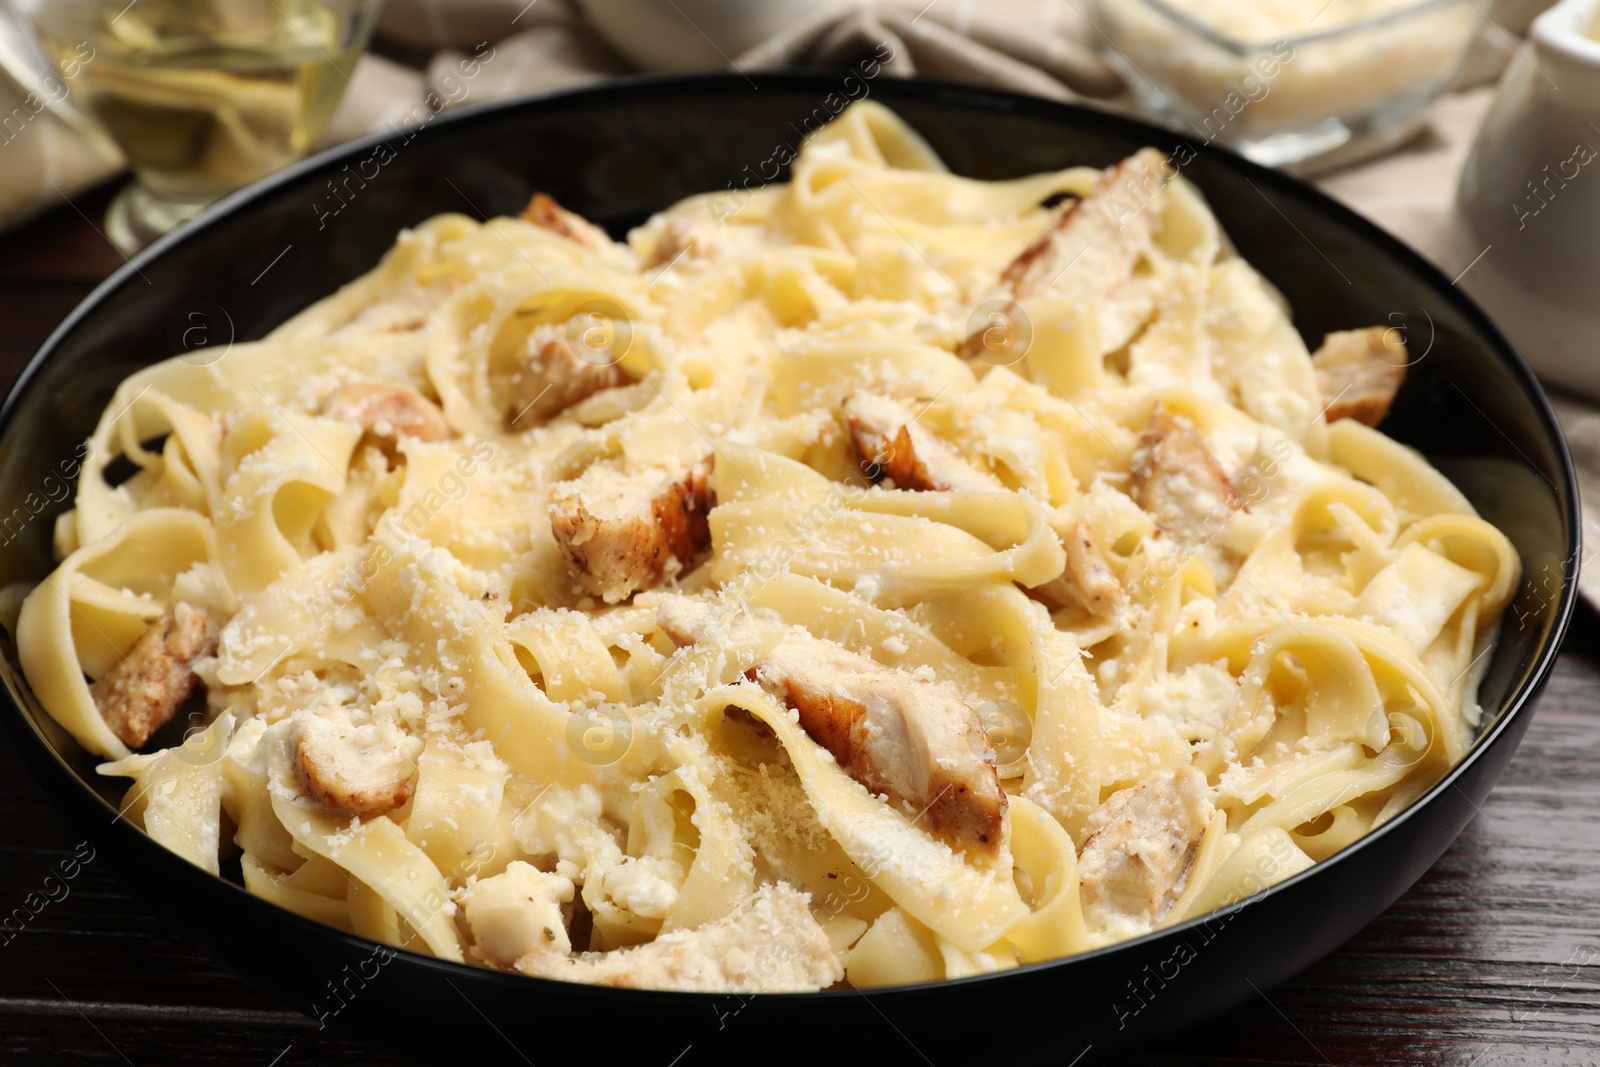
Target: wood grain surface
[1493,958]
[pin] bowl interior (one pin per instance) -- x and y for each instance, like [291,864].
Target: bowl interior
[618,153]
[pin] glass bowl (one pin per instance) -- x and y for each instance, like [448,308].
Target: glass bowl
[1282,81]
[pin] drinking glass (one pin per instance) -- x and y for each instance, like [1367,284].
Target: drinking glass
[201,96]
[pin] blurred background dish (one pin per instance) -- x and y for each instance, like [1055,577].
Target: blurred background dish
[1528,191]
[1283,80]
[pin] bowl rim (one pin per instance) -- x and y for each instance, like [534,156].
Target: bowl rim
[1067,116]
[1238,47]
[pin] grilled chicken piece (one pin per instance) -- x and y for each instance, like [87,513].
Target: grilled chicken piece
[681,238]
[892,446]
[771,943]
[624,532]
[915,740]
[1102,237]
[1140,844]
[684,619]
[140,694]
[688,620]
[700,240]
[354,770]
[517,913]
[1088,580]
[387,410]
[555,377]
[544,212]
[1359,372]
[1180,483]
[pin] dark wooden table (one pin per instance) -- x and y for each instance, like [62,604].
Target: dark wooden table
[1492,959]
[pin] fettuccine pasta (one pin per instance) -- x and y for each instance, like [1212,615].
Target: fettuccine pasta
[882,577]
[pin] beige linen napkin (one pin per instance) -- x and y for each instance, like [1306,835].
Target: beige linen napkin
[44,158]
[1027,45]
[1040,48]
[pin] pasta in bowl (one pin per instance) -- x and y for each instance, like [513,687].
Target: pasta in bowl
[882,577]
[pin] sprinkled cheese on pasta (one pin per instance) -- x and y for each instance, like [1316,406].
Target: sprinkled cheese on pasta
[880,577]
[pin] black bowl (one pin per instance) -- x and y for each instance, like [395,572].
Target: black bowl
[617,153]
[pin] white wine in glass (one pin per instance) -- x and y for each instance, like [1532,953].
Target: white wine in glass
[202,96]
